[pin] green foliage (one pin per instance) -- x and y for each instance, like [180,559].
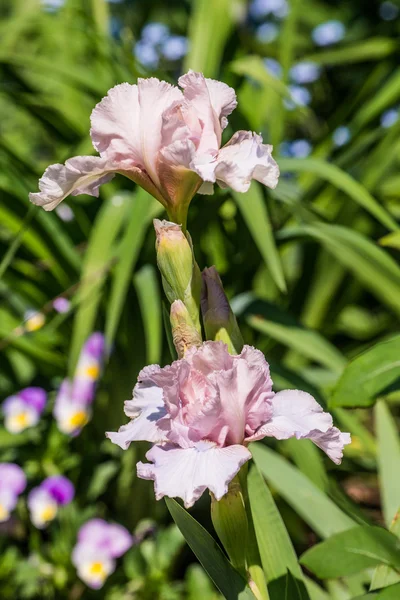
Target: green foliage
[312,269]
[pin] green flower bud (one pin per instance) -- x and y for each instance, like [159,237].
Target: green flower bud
[184,333]
[219,321]
[180,273]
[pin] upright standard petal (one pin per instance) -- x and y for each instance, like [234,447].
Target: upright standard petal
[115,125]
[145,409]
[223,100]
[155,97]
[187,473]
[297,414]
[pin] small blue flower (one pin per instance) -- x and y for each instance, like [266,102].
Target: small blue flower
[300,96]
[305,72]
[388,11]
[146,54]
[389,117]
[328,33]
[155,33]
[267,32]
[341,135]
[52,5]
[300,148]
[175,47]
[262,8]
[273,67]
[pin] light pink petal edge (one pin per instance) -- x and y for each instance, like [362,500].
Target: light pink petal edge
[186,473]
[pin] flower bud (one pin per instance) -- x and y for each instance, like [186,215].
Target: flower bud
[184,333]
[180,274]
[219,321]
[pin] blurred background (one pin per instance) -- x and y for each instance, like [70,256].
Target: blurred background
[311,268]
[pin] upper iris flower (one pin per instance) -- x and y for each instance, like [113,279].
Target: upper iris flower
[166,140]
[203,410]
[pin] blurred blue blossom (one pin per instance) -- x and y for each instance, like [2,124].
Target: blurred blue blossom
[389,117]
[52,5]
[341,135]
[262,8]
[388,11]
[115,26]
[328,33]
[65,212]
[175,47]
[146,54]
[300,96]
[273,67]
[267,32]
[300,148]
[305,72]
[155,33]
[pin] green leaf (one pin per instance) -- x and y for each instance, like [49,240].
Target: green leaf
[352,551]
[275,546]
[144,209]
[342,181]
[376,270]
[390,593]
[384,575]
[283,328]
[210,555]
[371,49]
[321,514]
[255,214]
[368,375]
[388,460]
[209,27]
[148,292]
[98,261]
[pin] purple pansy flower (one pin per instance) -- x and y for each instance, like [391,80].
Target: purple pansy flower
[99,544]
[12,484]
[45,500]
[202,411]
[23,409]
[72,409]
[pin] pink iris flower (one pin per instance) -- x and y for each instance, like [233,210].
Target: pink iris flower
[99,544]
[168,141]
[203,410]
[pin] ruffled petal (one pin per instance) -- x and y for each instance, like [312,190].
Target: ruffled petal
[297,414]
[84,175]
[115,124]
[331,442]
[186,473]
[198,98]
[223,100]
[145,409]
[242,159]
[79,175]
[155,97]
